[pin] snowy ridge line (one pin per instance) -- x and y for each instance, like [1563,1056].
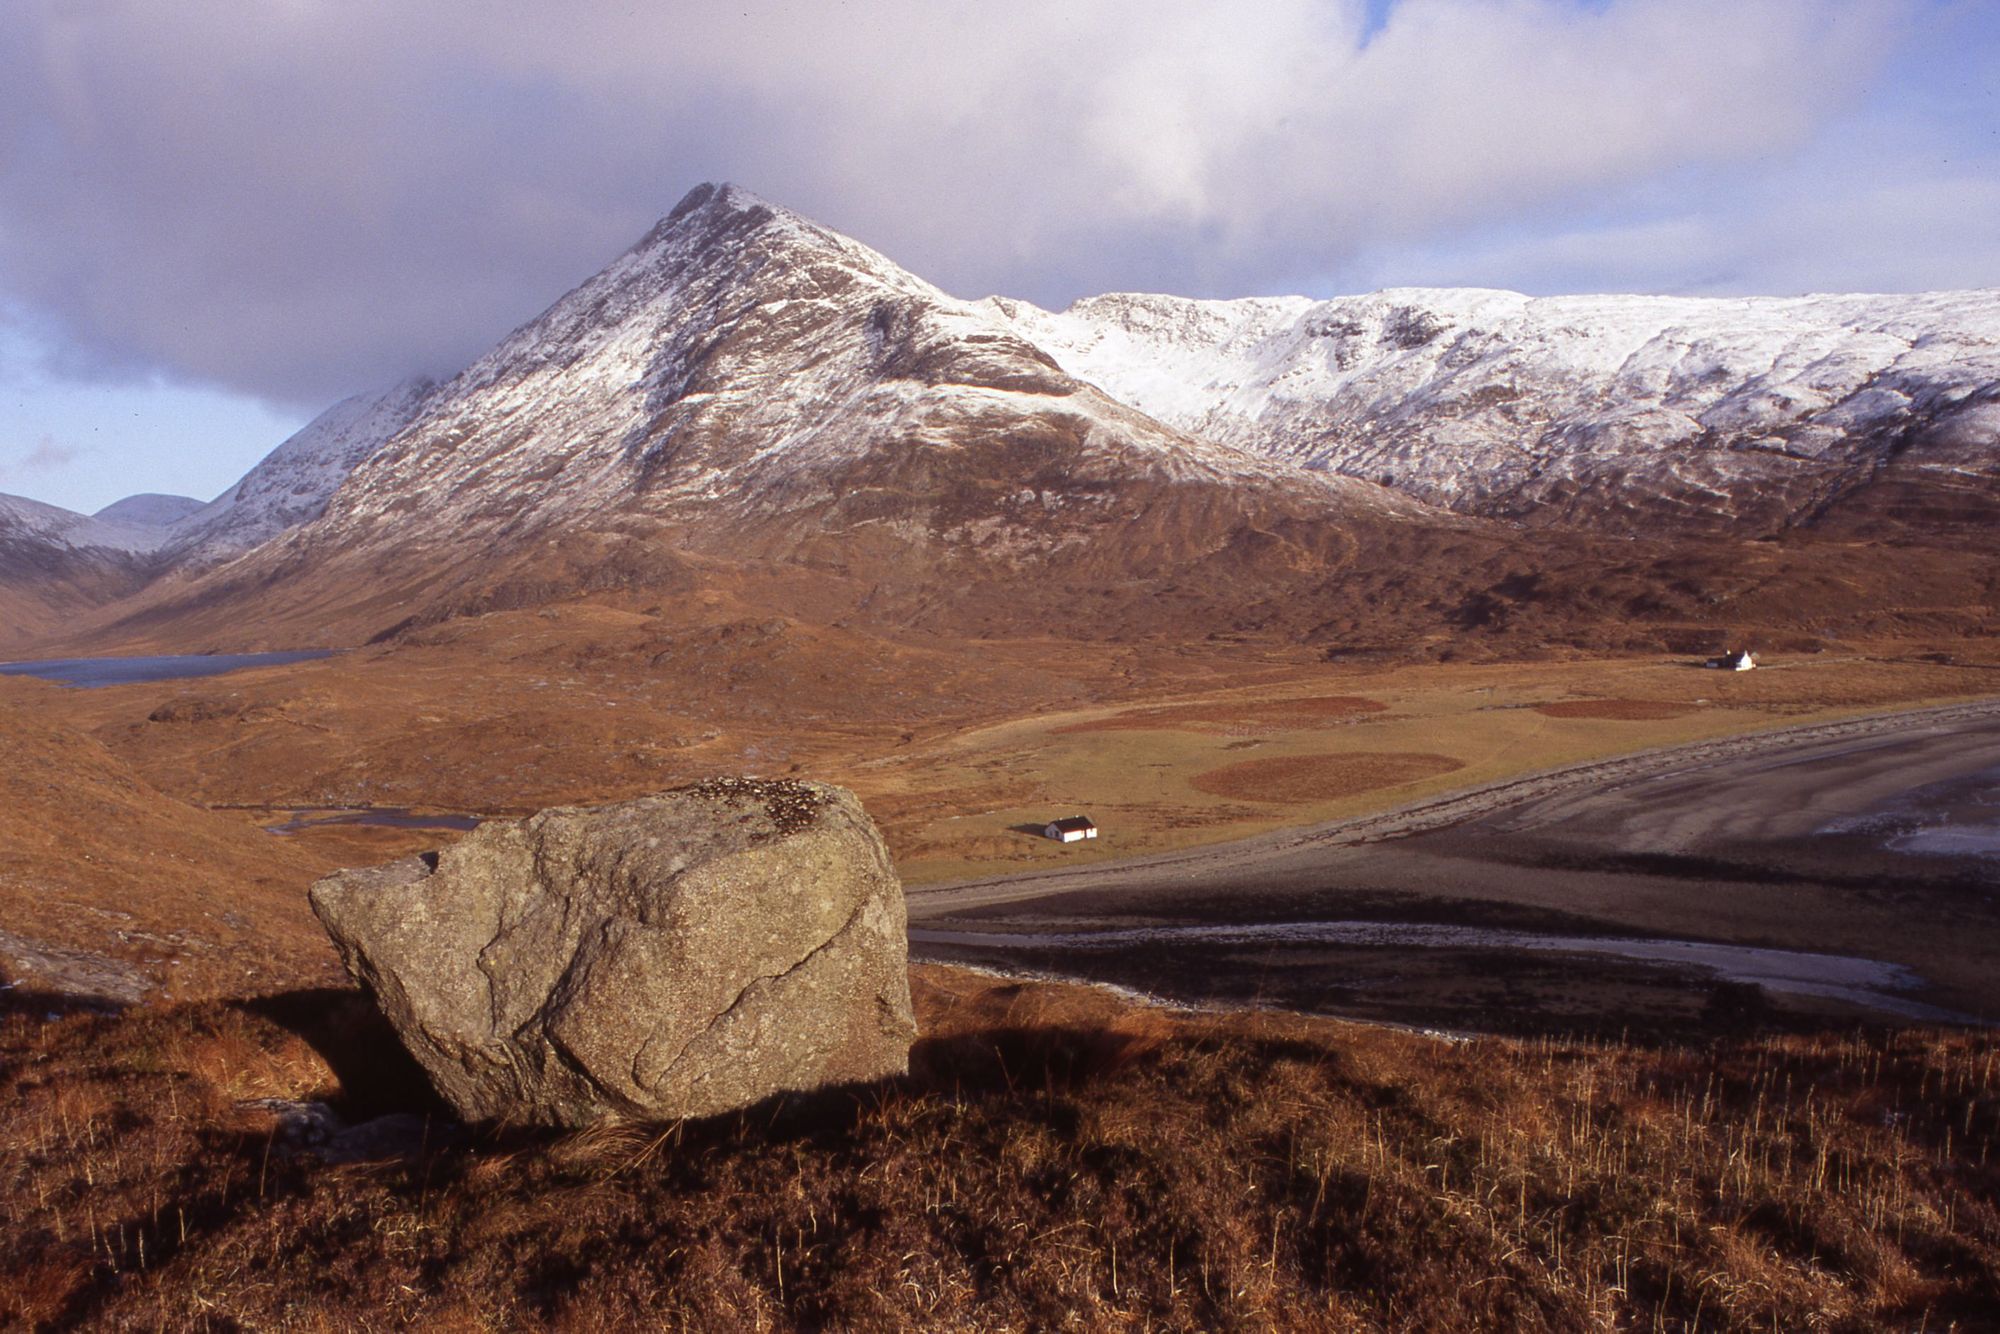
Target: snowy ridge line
[54,526]
[1484,400]
[741,360]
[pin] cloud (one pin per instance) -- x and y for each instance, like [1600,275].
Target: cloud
[49,454]
[46,455]
[1814,225]
[296,200]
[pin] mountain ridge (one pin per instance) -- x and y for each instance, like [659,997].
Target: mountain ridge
[1668,409]
[743,386]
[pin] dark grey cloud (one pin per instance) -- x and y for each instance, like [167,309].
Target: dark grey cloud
[298,199]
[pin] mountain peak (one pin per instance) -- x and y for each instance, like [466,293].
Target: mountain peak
[713,211]
[723,196]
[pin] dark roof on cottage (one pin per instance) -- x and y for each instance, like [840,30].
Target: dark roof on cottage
[1073,823]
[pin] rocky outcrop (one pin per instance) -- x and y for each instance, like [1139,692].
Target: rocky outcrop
[678,955]
[79,975]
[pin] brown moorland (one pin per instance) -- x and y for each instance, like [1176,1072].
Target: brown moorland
[1318,777]
[1056,1155]
[955,748]
[1056,1158]
[1624,710]
[111,886]
[1303,711]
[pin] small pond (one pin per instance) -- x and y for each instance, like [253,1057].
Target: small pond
[380,817]
[87,673]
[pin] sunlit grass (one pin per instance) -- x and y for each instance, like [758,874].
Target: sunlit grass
[1056,1158]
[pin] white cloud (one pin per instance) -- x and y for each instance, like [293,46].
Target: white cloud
[304,198]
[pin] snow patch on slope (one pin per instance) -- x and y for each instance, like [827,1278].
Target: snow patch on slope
[1488,399]
[293,483]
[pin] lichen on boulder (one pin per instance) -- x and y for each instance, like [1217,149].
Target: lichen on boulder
[681,954]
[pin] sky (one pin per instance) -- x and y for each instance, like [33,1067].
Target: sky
[218,217]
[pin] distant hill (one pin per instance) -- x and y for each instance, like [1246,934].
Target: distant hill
[150,510]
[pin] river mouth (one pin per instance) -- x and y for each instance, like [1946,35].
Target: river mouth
[95,673]
[1466,977]
[1587,900]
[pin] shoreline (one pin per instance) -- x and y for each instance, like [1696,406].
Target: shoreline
[1441,812]
[1646,885]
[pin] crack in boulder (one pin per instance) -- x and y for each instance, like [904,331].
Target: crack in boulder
[643,1057]
[677,955]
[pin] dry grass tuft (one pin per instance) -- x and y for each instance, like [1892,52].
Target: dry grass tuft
[1055,1159]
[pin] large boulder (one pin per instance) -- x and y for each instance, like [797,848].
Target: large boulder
[678,955]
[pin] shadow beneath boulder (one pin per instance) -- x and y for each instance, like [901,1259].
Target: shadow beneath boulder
[377,1075]
[1040,1072]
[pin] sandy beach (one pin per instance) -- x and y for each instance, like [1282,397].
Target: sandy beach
[1828,840]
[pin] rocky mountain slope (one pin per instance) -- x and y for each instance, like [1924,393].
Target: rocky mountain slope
[55,564]
[1756,412]
[744,385]
[294,482]
[746,389]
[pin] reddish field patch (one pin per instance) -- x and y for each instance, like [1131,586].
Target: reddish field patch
[1305,712]
[1321,777]
[1623,710]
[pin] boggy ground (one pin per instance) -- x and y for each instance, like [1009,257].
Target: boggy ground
[137,817]
[1056,1158]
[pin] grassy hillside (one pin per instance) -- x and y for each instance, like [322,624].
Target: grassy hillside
[1057,1158]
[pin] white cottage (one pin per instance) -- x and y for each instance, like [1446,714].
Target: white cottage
[1073,829]
[1741,661]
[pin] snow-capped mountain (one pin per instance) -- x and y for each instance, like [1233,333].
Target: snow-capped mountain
[124,527]
[149,510]
[746,387]
[747,369]
[1573,408]
[741,359]
[56,563]
[744,384]
[294,482]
